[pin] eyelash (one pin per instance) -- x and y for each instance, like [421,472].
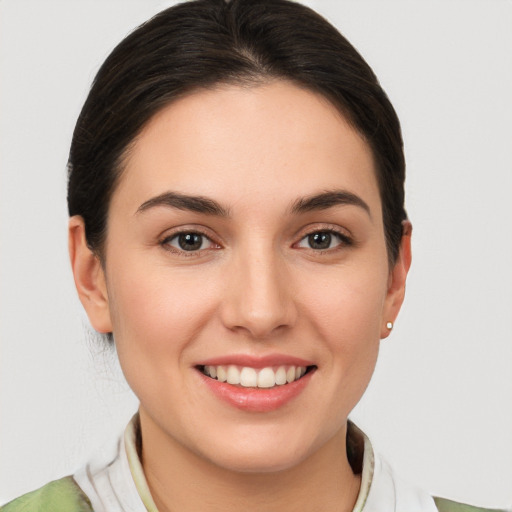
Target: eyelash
[343,241]
[166,243]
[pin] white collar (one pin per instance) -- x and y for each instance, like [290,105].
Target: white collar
[115,481]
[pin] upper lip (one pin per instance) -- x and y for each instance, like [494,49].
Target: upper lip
[256,361]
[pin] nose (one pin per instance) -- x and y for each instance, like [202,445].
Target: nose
[258,296]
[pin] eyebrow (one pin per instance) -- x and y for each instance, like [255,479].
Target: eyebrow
[205,205]
[197,204]
[328,199]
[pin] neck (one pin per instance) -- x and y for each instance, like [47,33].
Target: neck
[181,480]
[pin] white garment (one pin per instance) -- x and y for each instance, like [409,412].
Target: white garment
[115,482]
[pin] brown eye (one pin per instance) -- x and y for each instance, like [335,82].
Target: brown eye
[323,240]
[320,240]
[189,241]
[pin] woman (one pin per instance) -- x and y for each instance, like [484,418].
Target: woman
[237,227]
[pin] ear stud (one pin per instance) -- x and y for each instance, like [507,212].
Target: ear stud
[389,325]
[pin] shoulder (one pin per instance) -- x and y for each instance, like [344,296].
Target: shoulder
[444,505]
[62,495]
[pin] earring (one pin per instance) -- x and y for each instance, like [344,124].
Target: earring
[389,325]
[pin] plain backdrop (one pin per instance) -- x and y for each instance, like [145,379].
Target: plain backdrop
[440,404]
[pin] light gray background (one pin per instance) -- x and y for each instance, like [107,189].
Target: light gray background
[440,404]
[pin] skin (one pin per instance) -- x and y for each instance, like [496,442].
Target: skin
[256,287]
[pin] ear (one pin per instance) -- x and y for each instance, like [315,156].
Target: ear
[89,277]
[396,283]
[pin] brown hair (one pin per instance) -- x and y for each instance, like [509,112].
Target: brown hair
[200,43]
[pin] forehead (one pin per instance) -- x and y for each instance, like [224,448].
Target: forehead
[264,141]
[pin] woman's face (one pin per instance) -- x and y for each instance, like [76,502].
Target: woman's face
[245,240]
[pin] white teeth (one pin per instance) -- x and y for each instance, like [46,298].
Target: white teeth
[266,378]
[252,378]
[233,375]
[281,376]
[248,377]
[221,374]
[211,371]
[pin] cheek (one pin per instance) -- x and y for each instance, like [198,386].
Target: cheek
[156,312]
[156,317]
[346,312]
[347,304]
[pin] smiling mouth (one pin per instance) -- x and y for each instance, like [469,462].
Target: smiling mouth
[248,377]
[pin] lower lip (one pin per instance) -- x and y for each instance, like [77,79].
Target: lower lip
[257,399]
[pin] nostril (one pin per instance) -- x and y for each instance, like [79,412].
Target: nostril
[258,300]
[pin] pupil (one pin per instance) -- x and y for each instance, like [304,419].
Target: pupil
[320,240]
[190,241]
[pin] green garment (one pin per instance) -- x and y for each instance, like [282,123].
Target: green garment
[444,505]
[64,495]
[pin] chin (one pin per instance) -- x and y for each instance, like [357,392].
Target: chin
[257,451]
[259,461]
